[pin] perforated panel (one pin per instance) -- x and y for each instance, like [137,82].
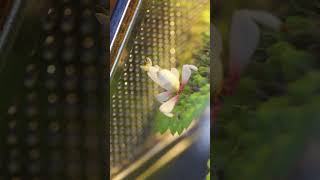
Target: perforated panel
[163,35]
[55,127]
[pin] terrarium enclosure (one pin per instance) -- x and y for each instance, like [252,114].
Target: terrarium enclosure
[168,34]
[160,89]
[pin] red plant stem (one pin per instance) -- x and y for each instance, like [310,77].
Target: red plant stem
[228,89]
[216,109]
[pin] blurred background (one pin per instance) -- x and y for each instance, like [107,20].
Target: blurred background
[268,128]
[53,90]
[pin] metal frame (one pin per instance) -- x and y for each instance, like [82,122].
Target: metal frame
[20,11]
[121,23]
[8,30]
[162,153]
[117,17]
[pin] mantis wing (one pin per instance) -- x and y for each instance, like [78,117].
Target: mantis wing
[244,40]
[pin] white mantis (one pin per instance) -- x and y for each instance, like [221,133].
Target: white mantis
[243,42]
[169,80]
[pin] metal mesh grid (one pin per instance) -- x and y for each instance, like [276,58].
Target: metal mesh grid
[161,36]
[54,128]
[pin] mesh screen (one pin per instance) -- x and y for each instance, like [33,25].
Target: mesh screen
[162,35]
[54,129]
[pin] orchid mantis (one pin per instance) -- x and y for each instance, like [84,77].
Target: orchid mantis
[169,80]
[243,42]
